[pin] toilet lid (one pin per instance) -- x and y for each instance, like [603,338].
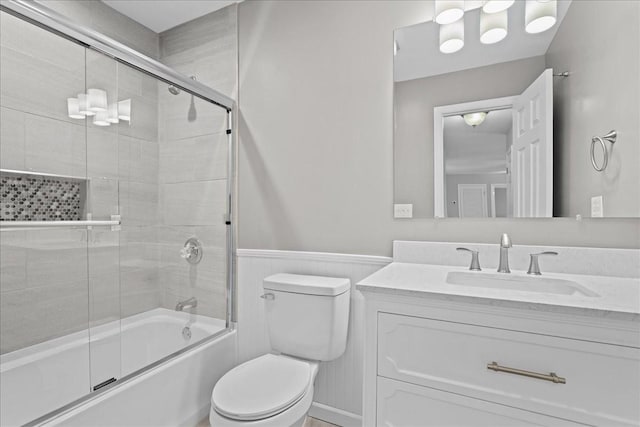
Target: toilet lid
[261,387]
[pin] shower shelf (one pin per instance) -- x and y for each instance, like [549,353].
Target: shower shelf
[58,224]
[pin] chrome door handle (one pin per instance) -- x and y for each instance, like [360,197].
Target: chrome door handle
[268,296]
[551,376]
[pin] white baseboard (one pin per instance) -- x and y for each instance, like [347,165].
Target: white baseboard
[334,415]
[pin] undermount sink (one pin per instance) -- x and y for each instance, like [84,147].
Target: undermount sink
[518,283]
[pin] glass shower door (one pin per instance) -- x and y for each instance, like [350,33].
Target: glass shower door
[44,293]
[111,181]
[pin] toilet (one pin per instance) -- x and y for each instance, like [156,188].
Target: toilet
[307,319]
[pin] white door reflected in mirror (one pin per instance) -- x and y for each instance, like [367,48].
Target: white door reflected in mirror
[503,143]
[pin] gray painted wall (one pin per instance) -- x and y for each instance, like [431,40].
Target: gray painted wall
[598,43]
[316,137]
[414,103]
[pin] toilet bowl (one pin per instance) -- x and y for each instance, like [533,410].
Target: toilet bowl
[307,319]
[269,391]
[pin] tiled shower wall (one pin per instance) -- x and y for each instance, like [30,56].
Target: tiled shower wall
[49,276]
[193,160]
[167,177]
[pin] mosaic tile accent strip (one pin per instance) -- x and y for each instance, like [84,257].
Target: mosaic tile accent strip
[40,198]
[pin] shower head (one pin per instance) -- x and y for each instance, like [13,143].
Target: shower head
[174,90]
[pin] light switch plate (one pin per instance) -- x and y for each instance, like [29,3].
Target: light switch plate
[597,207]
[403,210]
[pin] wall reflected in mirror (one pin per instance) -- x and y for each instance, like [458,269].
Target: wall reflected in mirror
[524,150]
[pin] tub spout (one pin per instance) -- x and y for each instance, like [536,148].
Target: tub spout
[189,303]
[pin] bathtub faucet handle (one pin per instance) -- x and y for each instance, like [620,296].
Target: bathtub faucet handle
[192,251]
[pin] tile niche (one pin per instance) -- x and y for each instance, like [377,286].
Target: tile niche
[34,197]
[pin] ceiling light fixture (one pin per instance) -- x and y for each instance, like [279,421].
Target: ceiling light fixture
[73,109]
[475,119]
[448,11]
[112,115]
[96,100]
[495,6]
[78,108]
[101,118]
[83,106]
[452,37]
[540,15]
[124,110]
[493,26]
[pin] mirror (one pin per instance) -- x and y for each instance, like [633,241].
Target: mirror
[519,127]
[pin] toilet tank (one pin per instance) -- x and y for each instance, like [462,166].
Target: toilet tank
[307,316]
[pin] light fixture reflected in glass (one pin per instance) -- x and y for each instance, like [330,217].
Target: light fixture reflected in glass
[96,100]
[101,118]
[112,113]
[452,37]
[73,109]
[475,119]
[448,11]
[493,26]
[495,6]
[82,105]
[124,110]
[540,15]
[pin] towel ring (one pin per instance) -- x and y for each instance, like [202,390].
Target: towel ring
[611,137]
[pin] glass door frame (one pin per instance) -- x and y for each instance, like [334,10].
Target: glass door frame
[50,20]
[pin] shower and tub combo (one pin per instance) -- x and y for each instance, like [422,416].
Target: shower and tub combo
[103,303]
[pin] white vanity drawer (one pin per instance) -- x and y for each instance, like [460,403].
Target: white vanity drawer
[602,381]
[406,405]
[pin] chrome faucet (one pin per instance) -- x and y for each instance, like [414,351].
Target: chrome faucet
[188,303]
[505,244]
[475,262]
[534,265]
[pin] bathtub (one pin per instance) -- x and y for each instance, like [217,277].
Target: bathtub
[44,377]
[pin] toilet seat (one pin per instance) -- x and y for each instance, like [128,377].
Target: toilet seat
[262,387]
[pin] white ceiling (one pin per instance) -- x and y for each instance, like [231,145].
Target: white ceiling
[161,15]
[419,53]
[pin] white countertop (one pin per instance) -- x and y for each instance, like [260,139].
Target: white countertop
[617,298]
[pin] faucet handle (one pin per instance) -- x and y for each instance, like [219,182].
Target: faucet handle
[505,241]
[475,262]
[534,266]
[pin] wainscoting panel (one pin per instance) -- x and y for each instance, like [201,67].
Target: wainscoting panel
[338,389]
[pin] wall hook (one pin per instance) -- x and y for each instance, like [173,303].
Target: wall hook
[610,137]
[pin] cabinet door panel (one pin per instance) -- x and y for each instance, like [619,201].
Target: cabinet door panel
[406,405]
[602,381]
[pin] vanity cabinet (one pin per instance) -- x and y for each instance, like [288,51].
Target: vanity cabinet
[439,363]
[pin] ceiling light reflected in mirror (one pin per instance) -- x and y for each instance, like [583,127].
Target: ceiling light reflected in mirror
[448,11]
[495,6]
[475,119]
[493,26]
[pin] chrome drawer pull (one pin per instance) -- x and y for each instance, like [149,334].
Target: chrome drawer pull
[547,377]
